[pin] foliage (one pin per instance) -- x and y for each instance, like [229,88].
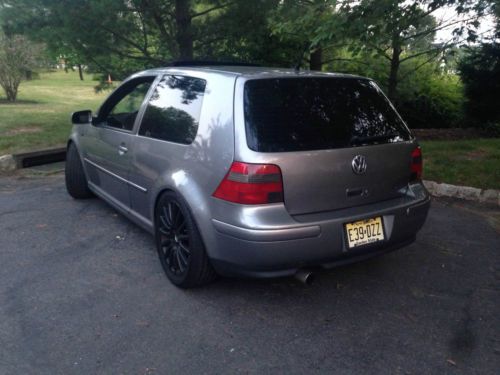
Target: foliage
[400,31]
[395,30]
[18,57]
[430,98]
[480,71]
[242,32]
[391,41]
[308,24]
[119,37]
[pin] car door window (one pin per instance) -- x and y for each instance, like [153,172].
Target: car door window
[173,111]
[122,107]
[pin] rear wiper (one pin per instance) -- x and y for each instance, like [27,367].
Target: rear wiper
[356,140]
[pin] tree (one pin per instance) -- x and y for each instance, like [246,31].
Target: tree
[242,32]
[18,57]
[400,31]
[311,25]
[121,36]
[396,30]
[480,72]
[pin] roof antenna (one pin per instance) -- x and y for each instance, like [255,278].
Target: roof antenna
[301,57]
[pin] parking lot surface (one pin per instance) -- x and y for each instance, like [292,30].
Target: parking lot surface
[82,291]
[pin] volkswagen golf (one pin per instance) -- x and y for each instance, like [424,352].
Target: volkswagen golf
[252,171]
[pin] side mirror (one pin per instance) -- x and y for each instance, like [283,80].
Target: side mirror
[81,117]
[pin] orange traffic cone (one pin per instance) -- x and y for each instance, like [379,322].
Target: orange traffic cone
[109,79]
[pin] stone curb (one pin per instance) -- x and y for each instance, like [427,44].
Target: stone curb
[9,163]
[491,196]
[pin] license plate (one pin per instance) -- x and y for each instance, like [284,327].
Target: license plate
[364,232]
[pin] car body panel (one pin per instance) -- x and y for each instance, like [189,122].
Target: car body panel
[195,170]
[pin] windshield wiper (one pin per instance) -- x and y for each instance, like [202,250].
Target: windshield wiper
[356,140]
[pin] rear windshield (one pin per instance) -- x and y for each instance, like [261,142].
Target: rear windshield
[298,114]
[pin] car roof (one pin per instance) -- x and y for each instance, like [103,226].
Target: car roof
[246,71]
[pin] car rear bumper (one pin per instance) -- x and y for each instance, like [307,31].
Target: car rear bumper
[317,243]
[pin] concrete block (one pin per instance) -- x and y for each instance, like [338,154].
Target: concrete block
[7,163]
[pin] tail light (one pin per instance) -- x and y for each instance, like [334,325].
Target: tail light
[416,166]
[251,184]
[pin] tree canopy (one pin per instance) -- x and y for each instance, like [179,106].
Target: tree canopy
[392,41]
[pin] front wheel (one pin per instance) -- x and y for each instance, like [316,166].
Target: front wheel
[76,182]
[179,244]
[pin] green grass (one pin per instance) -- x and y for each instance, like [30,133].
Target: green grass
[473,162]
[41,116]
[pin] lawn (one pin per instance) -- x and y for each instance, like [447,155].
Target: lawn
[41,116]
[474,162]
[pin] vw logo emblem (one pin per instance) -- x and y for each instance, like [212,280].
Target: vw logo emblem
[359,164]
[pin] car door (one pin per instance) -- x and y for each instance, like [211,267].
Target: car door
[164,144]
[109,141]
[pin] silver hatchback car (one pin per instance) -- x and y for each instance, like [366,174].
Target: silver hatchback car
[249,171]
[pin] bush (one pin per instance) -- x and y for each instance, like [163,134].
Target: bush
[432,101]
[18,58]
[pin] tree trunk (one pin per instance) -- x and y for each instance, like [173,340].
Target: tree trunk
[11,91]
[80,71]
[393,74]
[184,35]
[316,59]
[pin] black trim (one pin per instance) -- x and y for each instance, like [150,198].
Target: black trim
[181,63]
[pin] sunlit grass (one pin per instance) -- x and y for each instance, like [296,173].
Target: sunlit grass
[41,116]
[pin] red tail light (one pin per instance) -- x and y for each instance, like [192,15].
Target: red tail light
[416,167]
[251,184]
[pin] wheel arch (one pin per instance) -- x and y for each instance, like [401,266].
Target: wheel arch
[198,209]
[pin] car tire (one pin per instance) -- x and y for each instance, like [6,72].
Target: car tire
[179,244]
[76,181]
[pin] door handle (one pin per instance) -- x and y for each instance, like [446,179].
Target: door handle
[122,149]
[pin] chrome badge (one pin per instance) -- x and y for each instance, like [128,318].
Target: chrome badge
[359,164]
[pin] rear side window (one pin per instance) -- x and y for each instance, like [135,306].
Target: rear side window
[299,114]
[173,111]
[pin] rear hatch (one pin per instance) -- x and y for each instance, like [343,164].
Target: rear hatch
[338,140]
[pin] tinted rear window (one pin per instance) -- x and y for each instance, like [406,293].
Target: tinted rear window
[298,114]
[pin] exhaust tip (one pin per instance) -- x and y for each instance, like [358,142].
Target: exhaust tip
[305,276]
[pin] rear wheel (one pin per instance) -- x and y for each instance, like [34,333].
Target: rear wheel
[76,182]
[179,244]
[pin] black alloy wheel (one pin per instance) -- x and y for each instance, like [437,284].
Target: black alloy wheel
[179,243]
[174,239]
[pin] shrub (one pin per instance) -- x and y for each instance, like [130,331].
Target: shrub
[18,57]
[433,100]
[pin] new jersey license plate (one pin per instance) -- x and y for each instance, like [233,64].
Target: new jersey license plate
[364,232]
